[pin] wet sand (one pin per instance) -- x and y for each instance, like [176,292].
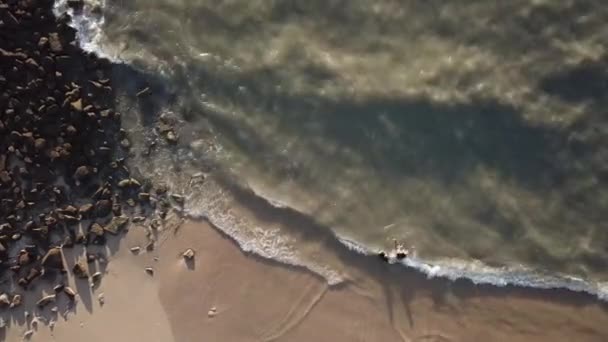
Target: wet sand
[259,300]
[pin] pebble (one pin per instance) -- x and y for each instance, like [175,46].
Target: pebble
[135,250]
[101,298]
[46,300]
[69,292]
[212,312]
[17,299]
[4,300]
[189,254]
[149,270]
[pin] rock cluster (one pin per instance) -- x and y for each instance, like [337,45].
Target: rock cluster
[62,166]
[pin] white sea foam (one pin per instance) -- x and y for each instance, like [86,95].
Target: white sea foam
[88,24]
[213,204]
[479,273]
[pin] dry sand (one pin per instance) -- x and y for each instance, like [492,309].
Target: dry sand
[258,300]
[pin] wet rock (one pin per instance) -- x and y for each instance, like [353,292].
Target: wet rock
[46,300]
[80,270]
[116,225]
[53,259]
[189,254]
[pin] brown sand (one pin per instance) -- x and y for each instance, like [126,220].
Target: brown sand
[258,300]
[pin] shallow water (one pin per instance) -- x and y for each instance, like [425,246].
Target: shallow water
[473,133]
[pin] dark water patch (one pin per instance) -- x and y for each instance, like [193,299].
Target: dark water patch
[585,81]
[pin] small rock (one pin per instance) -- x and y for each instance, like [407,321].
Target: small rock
[82,173]
[28,334]
[189,254]
[135,250]
[137,219]
[150,271]
[102,299]
[86,210]
[103,208]
[212,312]
[143,196]
[53,259]
[171,137]
[4,300]
[55,42]
[145,91]
[96,277]
[69,292]
[17,300]
[80,270]
[76,105]
[46,300]
[58,288]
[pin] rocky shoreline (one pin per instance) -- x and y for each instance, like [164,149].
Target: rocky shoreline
[63,176]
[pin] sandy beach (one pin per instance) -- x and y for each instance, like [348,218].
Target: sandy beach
[226,295]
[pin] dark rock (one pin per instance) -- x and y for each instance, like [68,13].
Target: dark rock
[53,259]
[5,177]
[80,270]
[103,208]
[86,210]
[144,196]
[81,239]
[82,173]
[46,300]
